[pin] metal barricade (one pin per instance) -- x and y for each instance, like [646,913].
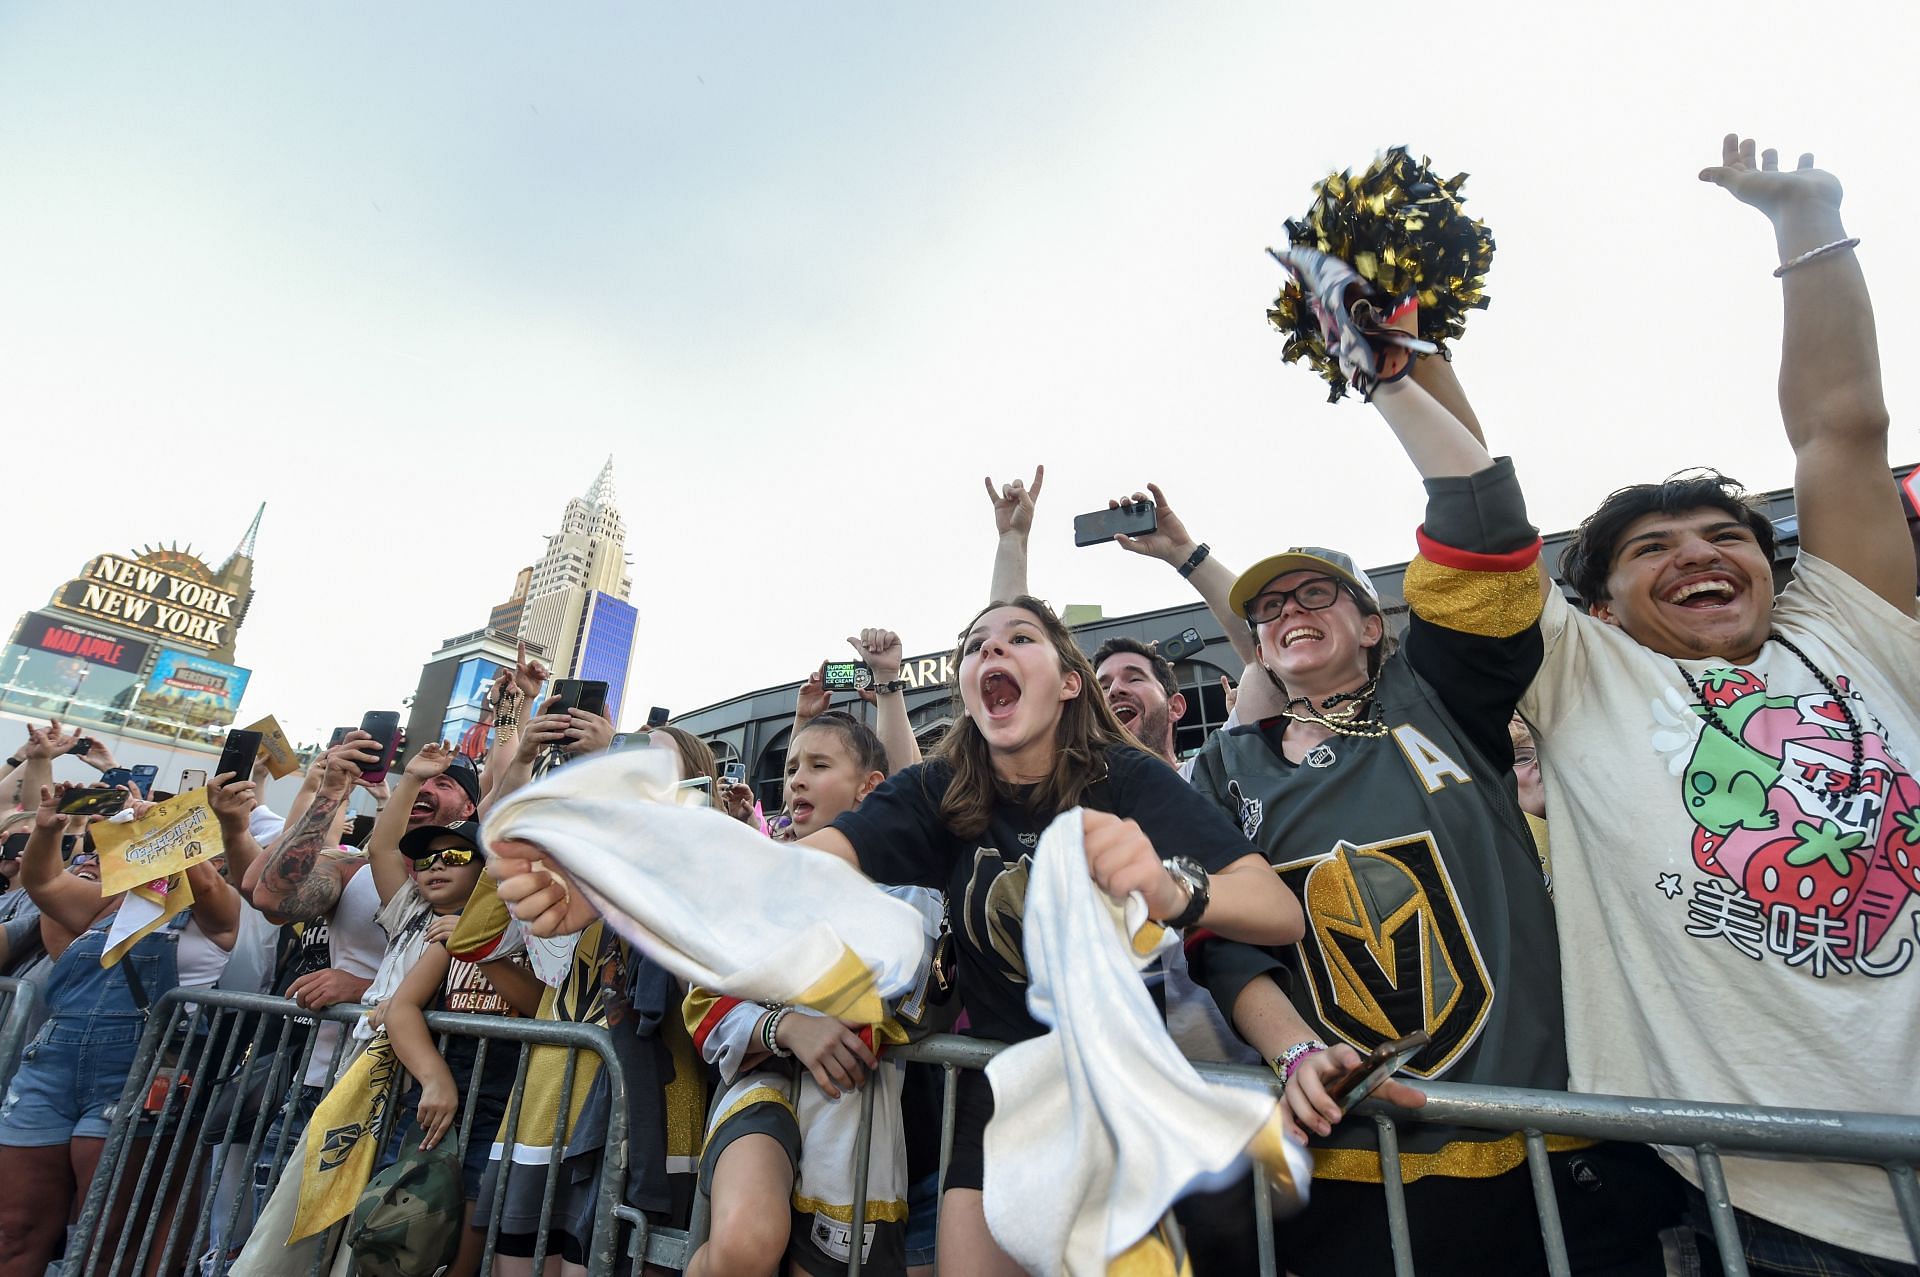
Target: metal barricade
[172,1173]
[1890,1142]
[17,1000]
[174,1152]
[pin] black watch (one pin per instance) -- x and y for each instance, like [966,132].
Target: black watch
[13,762]
[1190,874]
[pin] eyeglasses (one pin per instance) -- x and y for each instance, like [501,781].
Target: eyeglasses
[451,857]
[1316,595]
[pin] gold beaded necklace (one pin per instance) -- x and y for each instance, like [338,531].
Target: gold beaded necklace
[1342,722]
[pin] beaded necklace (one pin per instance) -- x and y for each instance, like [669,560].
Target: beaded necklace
[1854,732]
[1346,722]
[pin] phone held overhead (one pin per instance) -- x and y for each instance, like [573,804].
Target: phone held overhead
[1131,519]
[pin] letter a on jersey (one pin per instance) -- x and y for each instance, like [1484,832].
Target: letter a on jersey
[1429,761]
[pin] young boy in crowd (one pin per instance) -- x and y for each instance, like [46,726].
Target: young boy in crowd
[446,865]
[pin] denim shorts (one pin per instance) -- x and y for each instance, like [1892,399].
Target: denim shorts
[923,1219]
[69,1076]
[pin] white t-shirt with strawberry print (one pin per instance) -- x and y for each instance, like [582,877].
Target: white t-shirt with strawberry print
[1735,926]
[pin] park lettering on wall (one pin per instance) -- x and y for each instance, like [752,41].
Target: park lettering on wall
[130,593]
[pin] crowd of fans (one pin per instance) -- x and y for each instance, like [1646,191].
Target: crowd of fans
[1360,854]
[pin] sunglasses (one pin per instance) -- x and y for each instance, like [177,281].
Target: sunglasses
[451,857]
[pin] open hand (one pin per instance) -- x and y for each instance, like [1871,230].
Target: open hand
[1765,185]
[1013,503]
[433,760]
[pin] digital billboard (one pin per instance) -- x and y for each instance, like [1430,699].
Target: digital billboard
[606,648]
[194,688]
[60,635]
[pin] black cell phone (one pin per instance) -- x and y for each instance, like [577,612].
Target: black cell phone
[116,776]
[1181,645]
[585,694]
[384,726]
[1358,1082]
[82,746]
[96,800]
[734,772]
[339,734]
[143,774]
[238,753]
[658,716]
[846,676]
[16,843]
[1135,518]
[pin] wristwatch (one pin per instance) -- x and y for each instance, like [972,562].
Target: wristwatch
[892,685]
[1190,874]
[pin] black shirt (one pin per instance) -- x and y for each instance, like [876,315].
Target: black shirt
[899,839]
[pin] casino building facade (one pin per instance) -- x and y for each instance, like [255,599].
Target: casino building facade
[137,646]
[754,728]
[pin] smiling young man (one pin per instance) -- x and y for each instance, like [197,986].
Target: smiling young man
[1736,826]
[1138,684]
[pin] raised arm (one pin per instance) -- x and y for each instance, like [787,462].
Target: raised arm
[233,802]
[216,905]
[295,879]
[1211,578]
[1830,394]
[1437,442]
[883,652]
[1013,519]
[69,901]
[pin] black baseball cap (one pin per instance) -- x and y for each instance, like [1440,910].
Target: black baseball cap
[464,772]
[416,841]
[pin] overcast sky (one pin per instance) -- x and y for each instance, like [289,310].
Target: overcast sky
[808,271]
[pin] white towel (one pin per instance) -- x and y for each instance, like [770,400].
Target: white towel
[1100,1125]
[707,897]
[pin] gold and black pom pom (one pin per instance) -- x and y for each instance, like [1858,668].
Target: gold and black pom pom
[1404,231]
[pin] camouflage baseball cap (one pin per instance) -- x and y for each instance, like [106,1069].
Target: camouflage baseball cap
[407,1222]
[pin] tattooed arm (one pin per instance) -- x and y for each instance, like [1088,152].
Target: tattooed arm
[296,880]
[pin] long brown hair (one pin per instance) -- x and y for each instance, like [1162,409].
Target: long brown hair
[1087,728]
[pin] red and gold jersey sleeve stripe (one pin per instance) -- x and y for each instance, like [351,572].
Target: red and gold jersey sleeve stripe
[1493,595]
[702,1011]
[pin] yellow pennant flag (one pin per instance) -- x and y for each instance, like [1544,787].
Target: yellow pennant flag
[179,832]
[144,910]
[343,1139]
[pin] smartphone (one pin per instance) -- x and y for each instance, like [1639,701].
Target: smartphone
[16,843]
[96,800]
[1181,645]
[143,774]
[237,755]
[1135,518]
[846,676]
[82,746]
[117,776]
[734,773]
[339,734]
[658,716]
[384,726]
[1386,1060]
[582,694]
[192,778]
